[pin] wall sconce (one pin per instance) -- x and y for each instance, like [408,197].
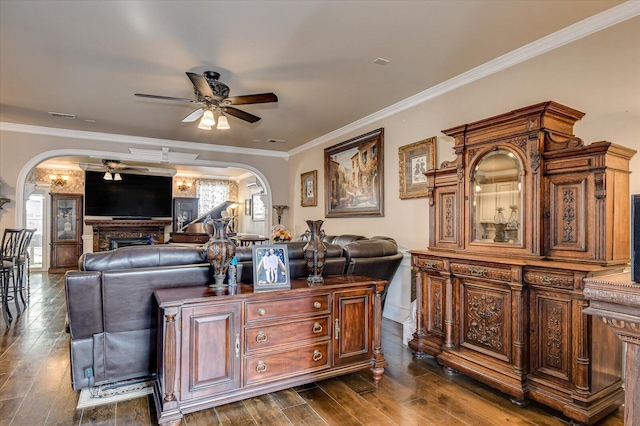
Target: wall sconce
[279,211]
[59,180]
[184,185]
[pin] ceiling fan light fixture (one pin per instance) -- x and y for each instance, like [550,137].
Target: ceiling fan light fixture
[223,123]
[117,176]
[203,126]
[107,176]
[207,119]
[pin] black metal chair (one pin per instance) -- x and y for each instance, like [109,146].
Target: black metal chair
[10,251]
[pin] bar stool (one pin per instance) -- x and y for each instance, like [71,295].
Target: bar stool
[22,267]
[10,250]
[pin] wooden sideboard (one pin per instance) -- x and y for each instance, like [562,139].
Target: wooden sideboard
[518,221]
[221,346]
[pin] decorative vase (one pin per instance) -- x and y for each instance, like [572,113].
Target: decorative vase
[315,251]
[500,223]
[219,250]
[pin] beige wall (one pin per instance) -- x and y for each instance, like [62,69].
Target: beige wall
[599,75]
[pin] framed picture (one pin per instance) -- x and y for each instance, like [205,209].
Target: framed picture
[258,212]
[309,189]
[271,267]
[354,176]
[415,159]
[247,207]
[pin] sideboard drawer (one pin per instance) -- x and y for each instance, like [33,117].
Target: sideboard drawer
[292,306]
[286,363]
[549,278]
[482,271]
[262,337]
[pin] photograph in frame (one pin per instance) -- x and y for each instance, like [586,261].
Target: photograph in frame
[258,211]
[309,189]
[354,176]
[414,160]
[271,267]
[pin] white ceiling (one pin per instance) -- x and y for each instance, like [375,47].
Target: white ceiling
[88,58]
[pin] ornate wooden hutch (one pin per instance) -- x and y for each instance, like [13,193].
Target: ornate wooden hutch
[518,220]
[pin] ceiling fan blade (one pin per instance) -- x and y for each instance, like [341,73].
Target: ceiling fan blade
[201,85]
[167,98]
[241,114]
[260,98]
[193,116]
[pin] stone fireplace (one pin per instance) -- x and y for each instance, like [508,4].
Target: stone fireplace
[109,234]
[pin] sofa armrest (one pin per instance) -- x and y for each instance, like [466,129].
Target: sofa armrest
[84,303]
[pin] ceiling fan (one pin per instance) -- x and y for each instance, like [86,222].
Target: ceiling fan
[114,167]
[214,97]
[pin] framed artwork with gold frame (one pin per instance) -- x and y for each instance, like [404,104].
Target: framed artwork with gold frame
[354,176]
[415,160]
[309,189]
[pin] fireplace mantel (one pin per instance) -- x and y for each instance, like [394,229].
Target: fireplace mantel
[105,229]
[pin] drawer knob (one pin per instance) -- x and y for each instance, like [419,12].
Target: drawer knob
[261,312]
[317,305]
[317,355]
[317,328]
[261,367]
[261,337]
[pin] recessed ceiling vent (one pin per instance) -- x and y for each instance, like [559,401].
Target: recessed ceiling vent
[276,140]
[62,115]
[381,61]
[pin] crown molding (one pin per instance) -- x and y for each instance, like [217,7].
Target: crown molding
[581,29]
[138,140]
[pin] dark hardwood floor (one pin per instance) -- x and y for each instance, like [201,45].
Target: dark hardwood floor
[35,386]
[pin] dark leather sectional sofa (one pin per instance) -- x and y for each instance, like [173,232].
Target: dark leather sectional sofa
[113,315]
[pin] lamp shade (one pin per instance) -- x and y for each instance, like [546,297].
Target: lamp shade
[117,176]
[203,126]
[207,119]
[107,176]
[223,124]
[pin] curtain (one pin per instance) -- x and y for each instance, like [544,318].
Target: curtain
[212,192]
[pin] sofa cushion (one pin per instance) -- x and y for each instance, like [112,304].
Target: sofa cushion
[141,257]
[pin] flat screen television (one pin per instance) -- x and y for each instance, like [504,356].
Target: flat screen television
[135,196]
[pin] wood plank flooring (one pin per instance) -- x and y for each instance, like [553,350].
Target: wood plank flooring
[35,387]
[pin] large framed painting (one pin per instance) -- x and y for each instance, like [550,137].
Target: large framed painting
[258,211]
[272,267]
[415,160]
[309,189]
[354,176]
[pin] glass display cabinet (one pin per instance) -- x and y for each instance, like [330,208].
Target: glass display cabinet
[66,232]
[523,214]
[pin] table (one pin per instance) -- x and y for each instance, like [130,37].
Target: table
[221,346]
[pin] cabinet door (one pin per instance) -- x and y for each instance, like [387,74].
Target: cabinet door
[211,356]
[353,326]
[550,343]
[185,209]
[485,318]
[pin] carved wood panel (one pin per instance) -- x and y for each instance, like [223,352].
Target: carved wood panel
[551,335]
[448,218]
[568,214]
[436,304]
[486,319]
